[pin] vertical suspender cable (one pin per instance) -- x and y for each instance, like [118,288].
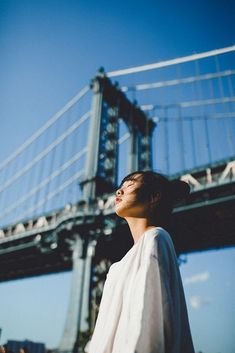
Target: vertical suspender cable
[198,83]
[216,128]
[221,89]
[166,133]
[181,129]
[40,131]
[181,137]
[51,161]
[191,127]
[231,93]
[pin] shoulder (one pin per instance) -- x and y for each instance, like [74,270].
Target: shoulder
[162,237]
[163,246]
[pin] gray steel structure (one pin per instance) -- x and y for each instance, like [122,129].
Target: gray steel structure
[75,243]
[108,106]
[88,236]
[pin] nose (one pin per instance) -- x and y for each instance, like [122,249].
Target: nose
[119,192]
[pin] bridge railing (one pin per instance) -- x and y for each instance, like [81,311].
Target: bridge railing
[200,179]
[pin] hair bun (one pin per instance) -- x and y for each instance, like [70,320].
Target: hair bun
[179,189]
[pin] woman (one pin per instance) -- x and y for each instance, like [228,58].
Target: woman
[143,307]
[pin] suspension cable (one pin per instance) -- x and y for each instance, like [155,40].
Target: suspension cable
[46,151]
[190,79]
[167,140]
[221,89]
[50,195]
[194,103]
[197,117]
[42,129]
[123,138]
[44,182]
[170,62]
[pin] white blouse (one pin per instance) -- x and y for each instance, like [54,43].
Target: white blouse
[143,308]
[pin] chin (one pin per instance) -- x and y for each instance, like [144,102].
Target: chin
[119,211]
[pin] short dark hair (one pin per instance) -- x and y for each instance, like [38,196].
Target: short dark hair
[170,192]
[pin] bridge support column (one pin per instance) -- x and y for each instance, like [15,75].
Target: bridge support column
[145,155]
[78,310]
[140,157]
[134,151]
[89,184]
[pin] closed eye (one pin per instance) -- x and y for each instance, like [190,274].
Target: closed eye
[129,184]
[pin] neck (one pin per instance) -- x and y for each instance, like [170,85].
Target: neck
[138,226]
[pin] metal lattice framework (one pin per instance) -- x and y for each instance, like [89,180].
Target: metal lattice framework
[50,225]
[190,100]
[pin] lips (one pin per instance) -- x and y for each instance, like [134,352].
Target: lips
[117,200]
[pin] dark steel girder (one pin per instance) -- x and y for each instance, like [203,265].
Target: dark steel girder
[205,221]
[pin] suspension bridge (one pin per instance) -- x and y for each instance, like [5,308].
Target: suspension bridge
[57,212]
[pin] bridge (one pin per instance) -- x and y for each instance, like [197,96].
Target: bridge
[57,211]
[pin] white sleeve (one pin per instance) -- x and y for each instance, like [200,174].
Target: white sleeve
[151,329]
[164,324]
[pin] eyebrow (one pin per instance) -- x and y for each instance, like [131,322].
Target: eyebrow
[132,180]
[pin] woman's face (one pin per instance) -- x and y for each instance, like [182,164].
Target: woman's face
[128,203]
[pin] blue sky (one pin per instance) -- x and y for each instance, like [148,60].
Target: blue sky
[49,51]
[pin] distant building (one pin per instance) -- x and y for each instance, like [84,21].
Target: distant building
[25,347]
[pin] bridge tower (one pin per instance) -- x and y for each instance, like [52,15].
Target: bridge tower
[109,105]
